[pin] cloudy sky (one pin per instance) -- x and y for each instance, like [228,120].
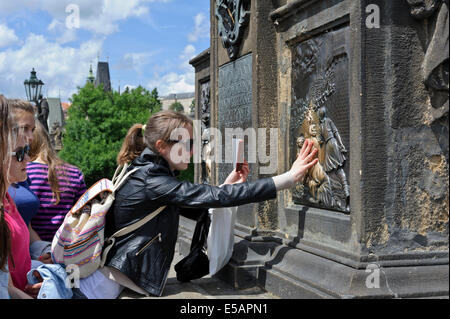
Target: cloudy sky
[146,42]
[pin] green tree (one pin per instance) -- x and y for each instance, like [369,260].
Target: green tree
[192,107]
[97,124]
[177,107]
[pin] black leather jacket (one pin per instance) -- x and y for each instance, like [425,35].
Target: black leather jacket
[146,254]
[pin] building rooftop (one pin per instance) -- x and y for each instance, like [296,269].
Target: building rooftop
[179,96]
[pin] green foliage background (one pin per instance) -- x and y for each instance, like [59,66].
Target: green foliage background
[177,107]
[97,124]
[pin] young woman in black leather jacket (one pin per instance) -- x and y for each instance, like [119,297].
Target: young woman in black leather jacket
[142,259]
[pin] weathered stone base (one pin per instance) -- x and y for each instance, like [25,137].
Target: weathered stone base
[294,273]
[290,272]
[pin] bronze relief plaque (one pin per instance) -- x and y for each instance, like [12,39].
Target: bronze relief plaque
[320,112]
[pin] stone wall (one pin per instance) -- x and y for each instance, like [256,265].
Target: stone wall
[380,70]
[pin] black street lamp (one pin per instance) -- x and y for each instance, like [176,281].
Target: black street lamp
[33,89]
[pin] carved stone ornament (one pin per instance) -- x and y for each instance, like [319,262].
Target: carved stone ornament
[232,18]
[434,15]
[56,136]
[205,104]
[435,67]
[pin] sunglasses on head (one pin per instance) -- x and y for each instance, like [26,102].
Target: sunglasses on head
[20,153]
[186,143]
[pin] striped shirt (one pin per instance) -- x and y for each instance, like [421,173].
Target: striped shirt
[50,216]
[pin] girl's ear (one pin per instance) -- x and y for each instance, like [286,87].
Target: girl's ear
[160,147]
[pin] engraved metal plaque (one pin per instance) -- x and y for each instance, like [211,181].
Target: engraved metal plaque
[320,112]
[235,104]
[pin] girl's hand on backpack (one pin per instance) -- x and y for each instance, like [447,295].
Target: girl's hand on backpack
[305,160]
[238,176]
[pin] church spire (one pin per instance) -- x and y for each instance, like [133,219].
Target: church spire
[91,77]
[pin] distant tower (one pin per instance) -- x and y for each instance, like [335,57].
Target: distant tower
[91,77]
[103,76]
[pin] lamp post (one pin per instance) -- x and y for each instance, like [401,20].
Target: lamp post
[33,89]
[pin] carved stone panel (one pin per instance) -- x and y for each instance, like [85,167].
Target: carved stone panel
[434,18]
[320,112]
[205,110]
[235,104]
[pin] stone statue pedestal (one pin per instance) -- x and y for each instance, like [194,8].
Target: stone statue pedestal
[364,62]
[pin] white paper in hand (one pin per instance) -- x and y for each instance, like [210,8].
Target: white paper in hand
[238,153]
[220,237]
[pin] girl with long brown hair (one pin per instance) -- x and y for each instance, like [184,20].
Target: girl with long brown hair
[14,236]
[57,184]
[27,203]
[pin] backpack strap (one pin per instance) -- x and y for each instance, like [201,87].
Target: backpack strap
[103,185]
[122,178]
[109,243]
[131,228]
[116,173]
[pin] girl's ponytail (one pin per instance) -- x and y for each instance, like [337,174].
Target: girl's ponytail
[133,145]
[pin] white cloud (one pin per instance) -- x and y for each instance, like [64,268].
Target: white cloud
[99,16]
[184,80]
[62,68]
[104,20]
[173,82]
[185,57]
[135,61]
[64,35]
[188,54]
[7,36]
[201,28]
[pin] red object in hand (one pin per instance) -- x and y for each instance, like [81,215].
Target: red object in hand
[238,153]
